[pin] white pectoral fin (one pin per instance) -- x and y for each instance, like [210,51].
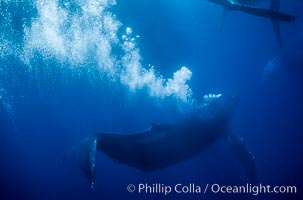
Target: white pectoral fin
[244,156]
[87,158]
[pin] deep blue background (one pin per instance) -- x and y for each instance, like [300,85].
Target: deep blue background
[51,117]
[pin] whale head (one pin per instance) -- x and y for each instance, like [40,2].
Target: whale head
[218,106]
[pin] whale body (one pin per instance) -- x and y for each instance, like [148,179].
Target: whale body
[248,6]
[163,145]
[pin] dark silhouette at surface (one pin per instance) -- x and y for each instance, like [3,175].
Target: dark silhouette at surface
[248,7]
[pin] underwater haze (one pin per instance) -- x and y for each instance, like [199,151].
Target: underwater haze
[71,68]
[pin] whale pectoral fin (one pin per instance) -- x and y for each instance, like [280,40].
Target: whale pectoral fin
[87,158]
[275,6]
[277,31]
[244,156]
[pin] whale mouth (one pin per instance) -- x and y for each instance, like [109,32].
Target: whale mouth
[214,102]
[211,96]
[208,98]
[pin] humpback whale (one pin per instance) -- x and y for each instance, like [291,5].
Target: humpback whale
[248,6]
[163,145]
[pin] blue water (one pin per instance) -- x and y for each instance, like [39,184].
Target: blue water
[70,68]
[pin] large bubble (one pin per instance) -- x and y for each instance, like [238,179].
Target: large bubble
[86,35]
